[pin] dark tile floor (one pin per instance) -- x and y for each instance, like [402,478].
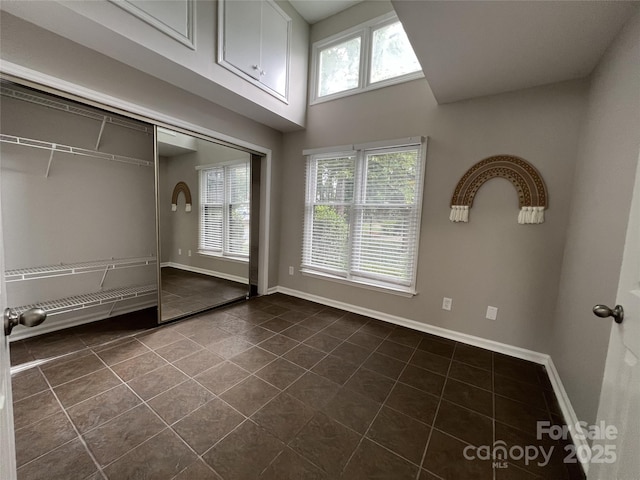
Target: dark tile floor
[275,388]
[185,292]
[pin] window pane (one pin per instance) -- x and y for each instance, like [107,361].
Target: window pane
[385,243]
[334,180]
[238,232]
[213,186]
[238,183]
[339,67]
[392,54]
[329,236]
[391,178]
[211,228]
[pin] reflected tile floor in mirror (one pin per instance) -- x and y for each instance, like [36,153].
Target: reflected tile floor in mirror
[185,292]
[275,388]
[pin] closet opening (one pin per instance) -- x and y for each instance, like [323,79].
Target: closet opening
[82,223]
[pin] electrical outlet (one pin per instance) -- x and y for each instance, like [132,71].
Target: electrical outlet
[290,270]
[179,251]
[189,253]
[492,312]
[446,303]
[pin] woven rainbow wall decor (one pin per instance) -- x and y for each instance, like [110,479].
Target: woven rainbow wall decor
[184,188]
[532,193]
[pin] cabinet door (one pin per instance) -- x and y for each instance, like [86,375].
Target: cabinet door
[242,36]
[274,55]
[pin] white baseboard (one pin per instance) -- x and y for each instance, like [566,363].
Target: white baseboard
[86,315]
[568,413]
[211,273]
[518,352]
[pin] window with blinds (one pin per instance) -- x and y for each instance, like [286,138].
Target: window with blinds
[362,213]
[224,210]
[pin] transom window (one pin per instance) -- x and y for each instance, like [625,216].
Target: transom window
[224,210]
[371,55]
[362,214]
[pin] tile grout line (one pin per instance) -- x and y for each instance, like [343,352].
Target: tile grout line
[167,426]
[493,408]
[364,435]
[79,436]
[435,415]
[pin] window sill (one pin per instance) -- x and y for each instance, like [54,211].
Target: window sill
[220,256]
[368,88]
[400,291]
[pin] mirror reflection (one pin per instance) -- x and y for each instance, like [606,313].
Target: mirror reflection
[203,199]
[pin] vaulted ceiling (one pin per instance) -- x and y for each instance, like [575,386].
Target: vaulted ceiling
[474,48]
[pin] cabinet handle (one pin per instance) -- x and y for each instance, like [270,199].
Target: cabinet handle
[262,72]
[255,67]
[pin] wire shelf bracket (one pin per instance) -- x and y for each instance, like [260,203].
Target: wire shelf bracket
[55,147]
[6,91]
[48,271]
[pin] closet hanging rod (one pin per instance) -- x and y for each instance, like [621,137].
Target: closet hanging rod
[28,142]
[59,105]
[46,271]
[78,302]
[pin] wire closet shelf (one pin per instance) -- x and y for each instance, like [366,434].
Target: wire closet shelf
[78,302]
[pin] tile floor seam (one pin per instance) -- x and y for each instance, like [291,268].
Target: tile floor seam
[435,415]
[220,440]
[112,418]
[41,361]
[75,429]
[226,390]
[493,407]
[137,336]
[131,358]
[80,377]
[167,426]
[364,435]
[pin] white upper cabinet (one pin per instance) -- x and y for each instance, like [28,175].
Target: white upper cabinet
[172,17]
[254,42]
[249,56]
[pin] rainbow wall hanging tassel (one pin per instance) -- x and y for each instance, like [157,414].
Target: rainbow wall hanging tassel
[532,193]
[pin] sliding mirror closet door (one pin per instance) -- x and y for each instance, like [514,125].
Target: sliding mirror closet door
[78,210]
[204,223]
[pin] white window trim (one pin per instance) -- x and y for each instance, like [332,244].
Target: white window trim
[364,31]
[369,283]
[209,253]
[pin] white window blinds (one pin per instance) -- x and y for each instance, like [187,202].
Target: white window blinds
[224,210]
[362,214]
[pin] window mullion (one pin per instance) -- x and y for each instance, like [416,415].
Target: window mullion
[365,57]
[354,210]
[310,196]
[225,211]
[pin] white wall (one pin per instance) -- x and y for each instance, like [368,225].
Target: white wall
[600,202]
[492,260]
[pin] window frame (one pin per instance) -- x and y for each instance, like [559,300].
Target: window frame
[360,152]
[226,203]
[365,32]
